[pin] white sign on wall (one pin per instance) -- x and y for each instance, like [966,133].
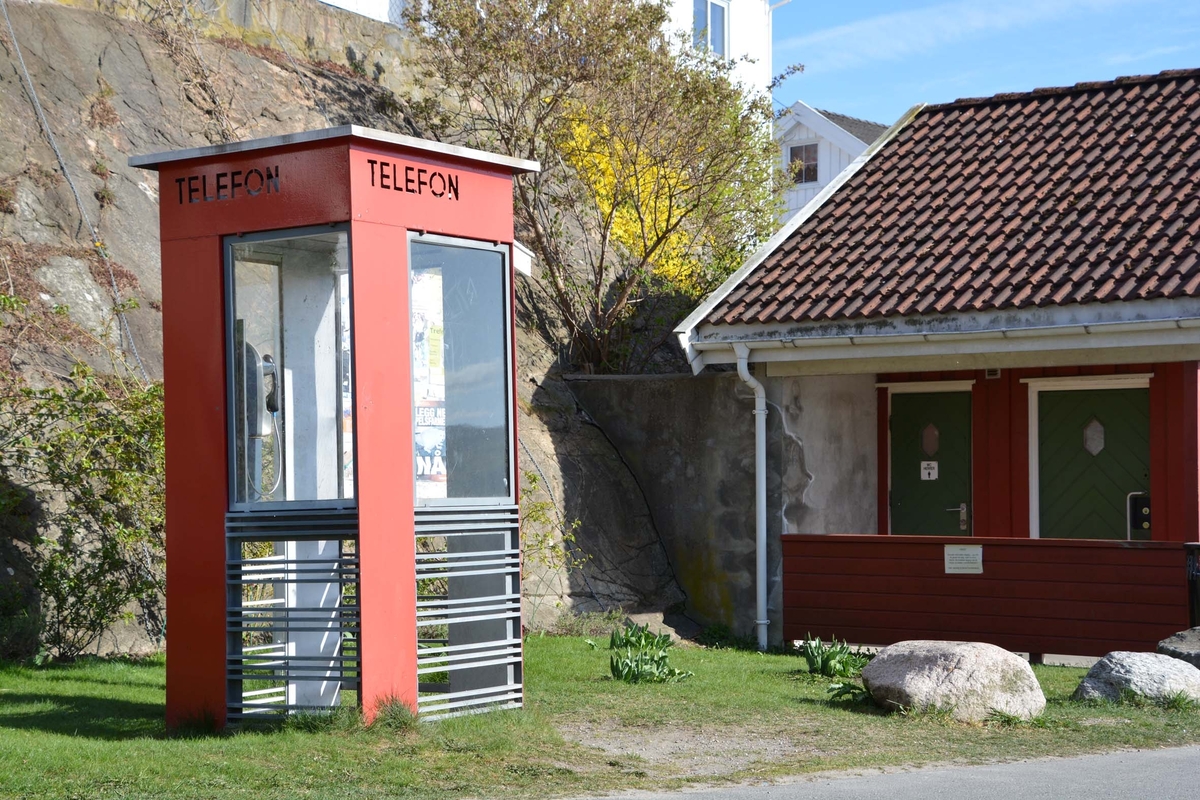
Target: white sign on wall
[929,470]
[964,559]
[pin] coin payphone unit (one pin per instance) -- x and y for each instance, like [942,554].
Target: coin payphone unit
[340,426]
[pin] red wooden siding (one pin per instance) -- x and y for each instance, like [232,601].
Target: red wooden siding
[882,464]
[1174,481]
[1042,596]
[1000,457]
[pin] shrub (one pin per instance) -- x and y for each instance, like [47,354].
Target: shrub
[640,656]
[95,448]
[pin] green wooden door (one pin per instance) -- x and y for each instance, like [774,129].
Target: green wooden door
[931,463]
[1093,450]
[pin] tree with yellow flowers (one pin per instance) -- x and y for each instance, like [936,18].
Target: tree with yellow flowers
[657,168]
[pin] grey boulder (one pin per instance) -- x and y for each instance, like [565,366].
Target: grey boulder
[1150,675]
[1184,645]
[968,679]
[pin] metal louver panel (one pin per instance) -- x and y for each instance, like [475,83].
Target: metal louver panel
[468,610]
[292,617]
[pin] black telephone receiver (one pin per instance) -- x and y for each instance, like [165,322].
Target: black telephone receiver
[258,407]
[272,392]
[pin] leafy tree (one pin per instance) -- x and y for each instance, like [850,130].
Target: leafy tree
[657,167]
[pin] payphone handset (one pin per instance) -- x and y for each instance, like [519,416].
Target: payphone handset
[258,408]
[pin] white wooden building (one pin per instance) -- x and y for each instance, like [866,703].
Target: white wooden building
[814,146]
[736,29]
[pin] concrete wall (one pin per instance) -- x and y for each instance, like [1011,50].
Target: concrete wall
[829,470]
[689,443]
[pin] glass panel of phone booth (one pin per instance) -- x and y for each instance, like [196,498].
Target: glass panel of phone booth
[468,557]
[293,424]
[292,429]
[460,373]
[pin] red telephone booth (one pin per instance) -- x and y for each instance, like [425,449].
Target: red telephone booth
[341,470]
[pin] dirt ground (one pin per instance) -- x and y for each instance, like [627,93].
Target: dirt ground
[684,752]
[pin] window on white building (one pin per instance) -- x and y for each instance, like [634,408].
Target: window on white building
[802,163]
[710,26]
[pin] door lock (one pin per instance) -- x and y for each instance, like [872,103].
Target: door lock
[961,508]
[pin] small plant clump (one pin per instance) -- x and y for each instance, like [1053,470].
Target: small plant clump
[106,196]
[358,64]
[395,716]
[102,114]
[640,656]
[1180,701]
[8,200]
[833,660]
[100,169]
[848,691]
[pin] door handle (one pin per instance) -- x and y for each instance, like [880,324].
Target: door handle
[961,508]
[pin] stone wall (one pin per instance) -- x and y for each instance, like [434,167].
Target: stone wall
[309,30]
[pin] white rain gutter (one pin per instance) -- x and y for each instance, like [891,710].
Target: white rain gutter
[760,492]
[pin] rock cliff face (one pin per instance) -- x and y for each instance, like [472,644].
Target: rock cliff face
[119,77]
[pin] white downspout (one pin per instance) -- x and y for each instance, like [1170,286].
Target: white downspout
[760,491]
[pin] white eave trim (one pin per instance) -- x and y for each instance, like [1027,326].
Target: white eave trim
[924,387]
[686,329]
[1140,323]
[1138,380]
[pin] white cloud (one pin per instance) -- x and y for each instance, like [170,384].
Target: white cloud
[889,37]
[1131,58]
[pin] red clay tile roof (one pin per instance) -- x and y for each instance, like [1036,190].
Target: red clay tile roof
[1082,194]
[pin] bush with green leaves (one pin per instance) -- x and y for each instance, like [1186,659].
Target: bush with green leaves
[91,449]
[639,656]
[833,660]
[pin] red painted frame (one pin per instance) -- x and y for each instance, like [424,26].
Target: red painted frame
[324,182]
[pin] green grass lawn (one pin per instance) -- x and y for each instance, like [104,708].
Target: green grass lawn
[94,729]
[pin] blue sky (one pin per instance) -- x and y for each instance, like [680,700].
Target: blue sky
[876,59]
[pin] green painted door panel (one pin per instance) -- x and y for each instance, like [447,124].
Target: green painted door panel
[933,427]
[1093,450]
